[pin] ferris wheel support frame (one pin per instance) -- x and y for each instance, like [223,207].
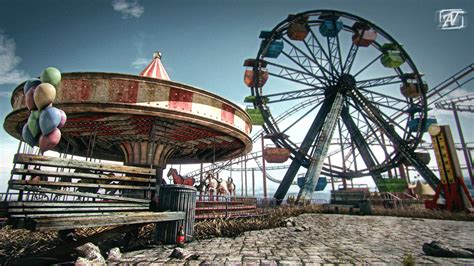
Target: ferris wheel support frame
[334,63]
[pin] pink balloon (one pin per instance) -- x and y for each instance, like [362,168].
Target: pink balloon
[49,141]
[30,100]
[63,118]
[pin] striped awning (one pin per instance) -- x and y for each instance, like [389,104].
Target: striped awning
[155,69]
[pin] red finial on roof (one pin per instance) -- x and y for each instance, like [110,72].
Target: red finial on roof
[155,69]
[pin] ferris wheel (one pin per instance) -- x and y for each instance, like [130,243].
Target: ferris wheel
[361,101]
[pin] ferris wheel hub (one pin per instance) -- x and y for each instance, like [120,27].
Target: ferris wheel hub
[346,83]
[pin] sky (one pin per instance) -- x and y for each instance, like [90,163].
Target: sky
[204,43]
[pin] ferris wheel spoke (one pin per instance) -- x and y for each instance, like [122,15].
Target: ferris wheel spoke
[292,95]
[361,99]
[382,103]
[316,54]
[367,66]
[289,112]
[372,136]
[376,82]
[316,49]
[350,59]
[364,150]
[304,59]
[379,97]
[301,117]
[295,74]
[334,56]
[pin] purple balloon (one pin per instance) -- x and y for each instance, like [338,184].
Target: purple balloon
[47,142]
[28,137]
[29,99]
[29,84]
[63,118]
[49,119]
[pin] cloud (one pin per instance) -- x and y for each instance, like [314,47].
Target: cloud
[6,94]
[128,9]
[140,62]
[9,74]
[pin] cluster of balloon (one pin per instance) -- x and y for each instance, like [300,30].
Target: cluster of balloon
[44,122]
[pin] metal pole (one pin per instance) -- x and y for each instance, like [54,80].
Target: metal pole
[201,180]
[253,182]
[241,179]
[245,175]
[159,177]
[264,170]
[463,143]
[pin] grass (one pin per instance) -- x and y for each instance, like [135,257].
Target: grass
[408,260]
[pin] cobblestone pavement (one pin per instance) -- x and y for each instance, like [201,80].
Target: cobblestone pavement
[326,238]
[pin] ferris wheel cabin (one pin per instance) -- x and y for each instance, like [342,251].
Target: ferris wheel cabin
[392,57]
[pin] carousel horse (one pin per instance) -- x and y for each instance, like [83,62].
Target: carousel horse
[201,187]
[179,180]
[231,186]
[222,188]
[211,187]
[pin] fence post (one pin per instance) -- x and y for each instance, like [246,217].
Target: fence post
[226,207]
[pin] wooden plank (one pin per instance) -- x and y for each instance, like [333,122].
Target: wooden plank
[33,172]
[79,194]
[75,209]
[75,184]
[73,203]
[77,164]
[62,215]
[105,220]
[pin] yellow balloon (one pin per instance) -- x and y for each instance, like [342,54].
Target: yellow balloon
[44,95]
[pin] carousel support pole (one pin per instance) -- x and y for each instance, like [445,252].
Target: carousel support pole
[253,182]
[201,179]
[159,178]
[264,169]
[241,180]
[245,175]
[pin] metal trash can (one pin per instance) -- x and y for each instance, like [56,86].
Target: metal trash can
[176,198]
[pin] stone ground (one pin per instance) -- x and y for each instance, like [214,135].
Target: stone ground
[325,238]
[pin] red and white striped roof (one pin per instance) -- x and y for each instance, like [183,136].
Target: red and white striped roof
[155,69]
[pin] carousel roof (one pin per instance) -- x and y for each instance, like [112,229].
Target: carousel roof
[155,69]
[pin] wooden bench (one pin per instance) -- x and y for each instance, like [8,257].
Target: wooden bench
[60,194]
